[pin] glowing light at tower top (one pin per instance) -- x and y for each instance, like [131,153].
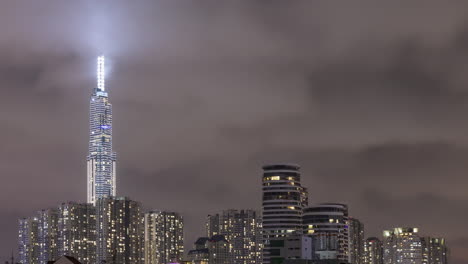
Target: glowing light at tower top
[100,73]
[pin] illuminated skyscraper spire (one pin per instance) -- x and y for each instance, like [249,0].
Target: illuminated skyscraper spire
[100,73]
[101,158]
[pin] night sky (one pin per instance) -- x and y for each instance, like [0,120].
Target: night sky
[370,98]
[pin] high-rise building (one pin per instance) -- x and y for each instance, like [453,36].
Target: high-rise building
[327,224]
[242,229]
[219,250]
[67,230]
[212,225]
[164,237]
[283,200]
[434,250]
[101,158]
[48,235]
[119,236]
[402,246]
[28,246]
[356,241]
[211,250]
[77,231]
[373,251]
[200,253]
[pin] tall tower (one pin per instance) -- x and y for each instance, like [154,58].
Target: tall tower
[48,235]
[164,237]
[28,246]
[101,158]
[119,232]
[77,231]
[356,241]
[283,200]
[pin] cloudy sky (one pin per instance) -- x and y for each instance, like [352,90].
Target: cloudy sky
[370,98]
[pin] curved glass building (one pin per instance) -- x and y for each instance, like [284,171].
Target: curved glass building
[327,224]
[283,200]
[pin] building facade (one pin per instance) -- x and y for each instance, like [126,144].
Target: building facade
[283,199]
[402,246]
[356,241]
[200,253]
[77,231]
[48,235]
[435,250]
[164,237]
[327,224]
[242,229]
[219,250]
[373,251]
[101,158]
[210,250]
[212,225]
[295,246]
[198,256]
[28,245]
[119,232]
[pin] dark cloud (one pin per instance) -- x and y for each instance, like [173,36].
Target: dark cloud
[370,99]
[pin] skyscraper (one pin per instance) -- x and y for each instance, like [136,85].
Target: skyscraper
[48,235]
[283,200]
[328,225]
[68,230]
[28,246]
[434,250]
[242,229]
[164,237]
[402,246]
[77,231]
[356,241]
[200,254]
[220,250]
[101,158]
[212,225]
[119,231]
[373,251]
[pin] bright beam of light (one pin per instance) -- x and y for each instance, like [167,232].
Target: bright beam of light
[100,73]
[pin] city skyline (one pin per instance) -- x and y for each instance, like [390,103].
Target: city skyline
[200,125]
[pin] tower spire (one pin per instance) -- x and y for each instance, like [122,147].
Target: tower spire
[100,73]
